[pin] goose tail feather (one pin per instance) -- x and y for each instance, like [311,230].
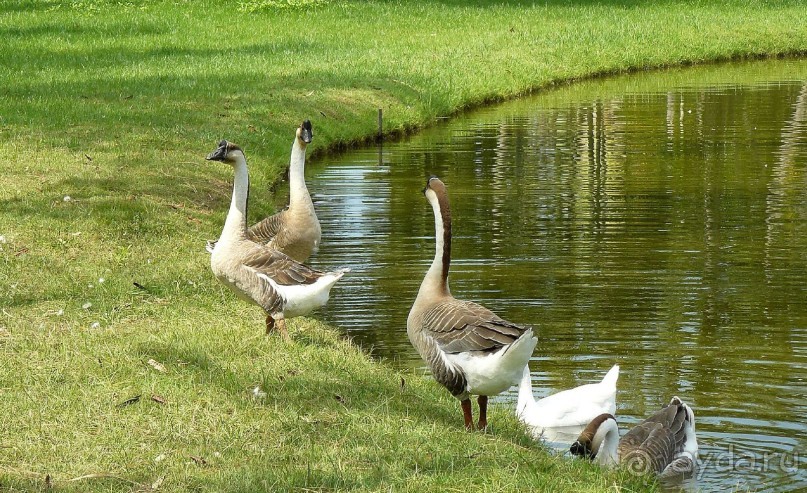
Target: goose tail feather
[526,399]
[611,377]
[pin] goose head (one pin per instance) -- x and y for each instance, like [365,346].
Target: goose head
[598,440]
[436,193]
[226,152]
[305,133]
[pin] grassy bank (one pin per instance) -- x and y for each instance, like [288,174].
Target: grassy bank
[107,109]
[331,418]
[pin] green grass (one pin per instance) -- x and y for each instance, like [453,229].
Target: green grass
[332,419]
[114,104]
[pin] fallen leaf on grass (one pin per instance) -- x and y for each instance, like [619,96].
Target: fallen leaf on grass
[130,401]
[158,399]
[157,365]
[199,460]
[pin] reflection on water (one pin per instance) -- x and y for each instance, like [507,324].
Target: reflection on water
[658,221]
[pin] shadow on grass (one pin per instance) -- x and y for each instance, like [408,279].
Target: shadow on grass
[308,381]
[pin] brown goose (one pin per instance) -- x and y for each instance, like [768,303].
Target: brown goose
[283,287]
[469,349]
[295,230]
[664,444]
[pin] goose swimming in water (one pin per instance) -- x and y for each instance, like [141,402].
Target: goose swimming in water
[565,413]
[283,287]
[468,348]
[664,444]
[295,230]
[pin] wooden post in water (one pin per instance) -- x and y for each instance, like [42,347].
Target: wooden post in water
[380,138]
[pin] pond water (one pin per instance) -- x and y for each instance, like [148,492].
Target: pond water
[657,220]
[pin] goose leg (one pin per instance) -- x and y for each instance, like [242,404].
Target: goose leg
[281,327]
[466,412]
[483,412]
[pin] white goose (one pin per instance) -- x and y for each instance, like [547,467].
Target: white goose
[469,349]
[295,230]
[562,416]
[664,444]
[283,287]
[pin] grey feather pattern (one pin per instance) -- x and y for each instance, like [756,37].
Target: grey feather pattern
[458,326]
[280,267]
[264,231]
[656,440]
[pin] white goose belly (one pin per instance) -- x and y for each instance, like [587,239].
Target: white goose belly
[492,374]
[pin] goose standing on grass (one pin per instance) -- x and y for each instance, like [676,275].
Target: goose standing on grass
[565,413]
[468,348]
[295,230]
[283,287]
[664,443]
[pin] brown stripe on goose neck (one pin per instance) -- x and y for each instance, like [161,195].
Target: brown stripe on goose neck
[232,146]
[587,435]
[440,191]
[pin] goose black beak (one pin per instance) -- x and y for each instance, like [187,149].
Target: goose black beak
[220,153]
[307,132]
[580,449]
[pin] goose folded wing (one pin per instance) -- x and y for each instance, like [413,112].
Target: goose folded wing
[264,231]
[460,326]
[652,440]
[672,418]
[267,263]
[680,467]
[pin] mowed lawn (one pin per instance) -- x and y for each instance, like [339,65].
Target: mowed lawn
[124,366]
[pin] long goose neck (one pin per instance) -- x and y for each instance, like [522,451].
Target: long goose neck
[298,192]
[436,280]
[235,225]
[606,442]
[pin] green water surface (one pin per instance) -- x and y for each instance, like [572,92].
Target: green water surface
[656,220]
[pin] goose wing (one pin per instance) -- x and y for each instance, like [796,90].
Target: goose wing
[264,231]
[267,263]
[461,326]
[652,444]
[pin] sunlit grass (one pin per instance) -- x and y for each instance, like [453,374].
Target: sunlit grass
[107,109]
[195,398]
